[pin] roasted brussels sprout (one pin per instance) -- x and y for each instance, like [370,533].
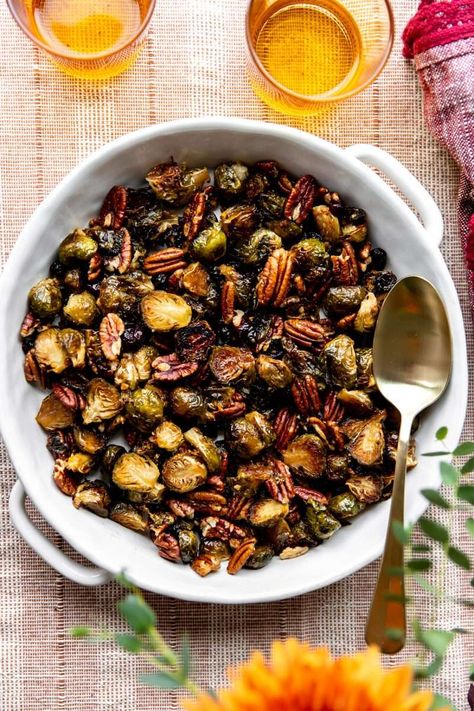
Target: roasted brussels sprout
[194,342]
[306,456]
[366,488]
[53,415]
[356,401]
[261,556]
[391,450]
[174,183]
[337,468]
[103,402]
[163,311]
[321,523]
[78,246]
[188,541]
[238,222]
[81,309]
[145,408]
[257,246]
[327,224]
[250,477]
[341,361]
[232,365]
[142,359]
[266,512]
[210,245]
[121,294]
[273,371]
[271,204]
[167,436]
[87,440]
[365,375]
[75,344]
[109,456]
[187,402]
[367,314]
[126,374]
[135,473]
[345,506]
[184,472]
[206,448]
[92,495]
[230,178]
[80,463]
[50,350]
[195,279]
[343,300]
[45,298]
[129,516]
[366,439]
[250,435]
[311,257]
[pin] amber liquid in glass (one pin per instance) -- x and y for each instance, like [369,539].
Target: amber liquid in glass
[311,47]
[89,29]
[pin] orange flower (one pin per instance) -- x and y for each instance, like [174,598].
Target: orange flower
[299,678]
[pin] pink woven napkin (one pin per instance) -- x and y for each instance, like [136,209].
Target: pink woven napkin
[440,39]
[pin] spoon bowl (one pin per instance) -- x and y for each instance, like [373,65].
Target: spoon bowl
[412,365]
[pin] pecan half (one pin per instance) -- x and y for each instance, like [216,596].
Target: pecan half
[205,564]
[345,270]
[280,486]
[181,508]
[273,333]
[284,183]
[193,215]
[214,527]
[126,252]
[307,494]
[29,325]
[34,372]
[164,261]
[207,502]
[63,480]
[346,322]
[228,301]
[305,395]
[285,426]
[167,545]
[235,409]
[239,507]
[112,212]
[301,199]
[333,409]
[110,330]
[95,267]
[68,397]
[305,333]
[329,432]
[240,556]
[169,368]
[274,280]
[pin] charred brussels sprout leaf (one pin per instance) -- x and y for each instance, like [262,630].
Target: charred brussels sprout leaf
[103,402]
[53,415]
[230,365]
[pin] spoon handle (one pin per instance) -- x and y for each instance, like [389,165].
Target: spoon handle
[388,605]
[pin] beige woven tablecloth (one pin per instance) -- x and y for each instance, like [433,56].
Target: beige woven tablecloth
[192,66]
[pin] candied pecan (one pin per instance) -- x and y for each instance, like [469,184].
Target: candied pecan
[274,280]
[207,502]
[344,266]
[34,372]
[63,480]
[280,486]
[305,395]
[299,283]
[307,494]
[215,527]
[205,564]
[329,432]
[285,426]
[240,556]
[305,333]
[346,322]
[95,267]
[169,368]
[293,552]
[284,183]
[333,409]
[364,257]
[268,167]
[29,325]
[228,301]
[234,409]
[112,212]
[126,251]
[167,545]
[273,333]
[110,330]
[301,199]
[239,507]
[181,508]
[164,261]
[193,215]
[69,398]
[216,482]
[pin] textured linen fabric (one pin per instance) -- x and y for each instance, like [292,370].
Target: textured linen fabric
[192,65]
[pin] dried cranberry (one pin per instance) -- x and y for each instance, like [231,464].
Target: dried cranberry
[134,336]
[379,258]
[59,444]
[384,282]
[57,269]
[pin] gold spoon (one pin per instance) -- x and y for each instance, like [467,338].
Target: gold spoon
[412,366]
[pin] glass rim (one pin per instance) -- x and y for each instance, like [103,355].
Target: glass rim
[78,56]
[325,97]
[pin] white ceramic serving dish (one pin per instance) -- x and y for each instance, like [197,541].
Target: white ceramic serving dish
[413,248]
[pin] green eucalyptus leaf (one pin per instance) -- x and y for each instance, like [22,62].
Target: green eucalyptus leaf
[161,680]
[423,583]
[129,642]
[437,641]
[464,448]
[449,473]
[468,466]
[470,526]
[466,493]
[81,632]
[418,565]
[122,580]
[434,530]
[420,548]
[401,533]
[441,433]
[137,613]
[434,497]
[435,454]
[459,558]
[441,702]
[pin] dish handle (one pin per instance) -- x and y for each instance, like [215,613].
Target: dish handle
[47,550]
[411,188]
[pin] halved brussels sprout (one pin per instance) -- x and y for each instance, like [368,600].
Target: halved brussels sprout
[261,556]
[175,183]
[391,450]
[311,257]
[50,351]
[188,541]
[230,178]
[356,401]
[366,488]
[167,436]
[267,512]
[135,473]
[163,311]
[341,361]
[120,294]
[343,300]
[184,472]
[366,439]
[53,415]
[239,221]
[94,496]
[273,371]
[103,402]
[327,223]
[80,463]
[271,204]
[142,359]
[75,344]
[337,468]
[187,402]
[345,506]
[367,315]
[45,298]
[306,455]
[126,375]
[109,456]
[257,246]
[365,375]
[195,279]
[145,408]
[152,496]
[250,435]
[129,516]
[210,244]
[321,523]
[206,448]
[87,440]
[81,309]
[229,364]
[250,477]
[78,246]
